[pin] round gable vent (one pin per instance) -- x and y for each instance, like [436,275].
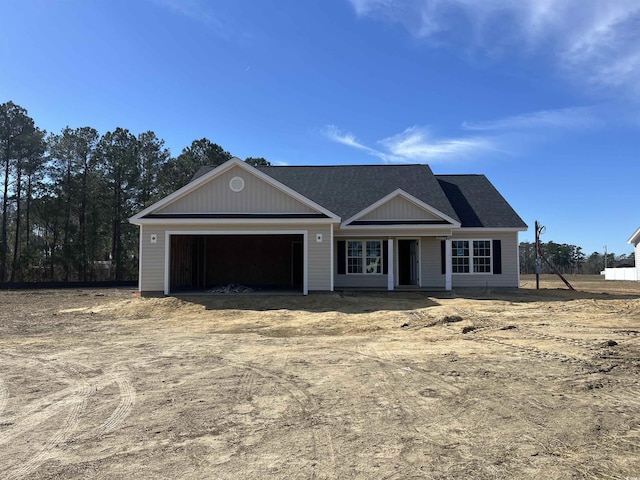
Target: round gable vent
[236,184]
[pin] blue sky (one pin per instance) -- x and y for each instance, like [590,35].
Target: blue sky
[542,96]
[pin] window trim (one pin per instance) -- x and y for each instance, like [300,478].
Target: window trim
[471,256]
[364,257]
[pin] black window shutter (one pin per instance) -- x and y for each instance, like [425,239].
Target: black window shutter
[443,255]
[497,257]
[385,257]
[342,257]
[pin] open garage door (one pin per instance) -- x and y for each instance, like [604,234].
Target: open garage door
[202,263]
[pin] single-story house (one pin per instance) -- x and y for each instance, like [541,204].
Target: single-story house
[635,241]
[325,228]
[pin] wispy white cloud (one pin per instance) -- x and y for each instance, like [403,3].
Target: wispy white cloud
[415,144]
[593,41]
[503,136]
[576,118]
[418,144]
[335,134]
[364,7]
[198,10]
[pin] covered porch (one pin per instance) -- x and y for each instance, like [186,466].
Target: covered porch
[398,263]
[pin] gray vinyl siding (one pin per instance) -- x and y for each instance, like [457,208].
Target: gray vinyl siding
[152,261]
[399,208]
[361,281]
[319,259]
[153,254]
[257,196]
[431,268]
[431,263]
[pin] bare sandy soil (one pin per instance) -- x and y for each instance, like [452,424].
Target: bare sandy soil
[532,383]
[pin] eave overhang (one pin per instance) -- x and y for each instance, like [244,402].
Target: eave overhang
[234,221]
[493,229]
[635,238]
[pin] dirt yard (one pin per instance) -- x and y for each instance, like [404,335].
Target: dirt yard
[541,384]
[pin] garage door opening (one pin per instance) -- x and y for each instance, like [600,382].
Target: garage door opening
[207,263]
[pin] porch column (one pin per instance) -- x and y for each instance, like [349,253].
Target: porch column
[390,267]
[447,262]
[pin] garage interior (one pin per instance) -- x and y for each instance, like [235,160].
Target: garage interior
[207,263]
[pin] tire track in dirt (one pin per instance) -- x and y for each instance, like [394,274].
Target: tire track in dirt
[43,409]
[401,472]
[122,411]
[308,408]
[628,333]
[247,385]
[529,350]
[73,400]
[377,394]
[4,395]
[584,360]
[510,404]
[400,388]
[395,381]
[391,362]
[617,442]
[620,397]
[302,397]
[56,441]
[39,412]
[558,338]
[518,405]
[419,415]
[401,379]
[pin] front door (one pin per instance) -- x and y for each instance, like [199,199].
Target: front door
[408,266]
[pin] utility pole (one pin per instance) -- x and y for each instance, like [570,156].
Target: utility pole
[605,257]
[540,229]
[538,259]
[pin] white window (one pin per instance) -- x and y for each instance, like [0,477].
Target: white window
[482,256]
[471,256]
[364,256]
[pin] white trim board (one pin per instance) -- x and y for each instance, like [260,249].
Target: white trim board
[232,221]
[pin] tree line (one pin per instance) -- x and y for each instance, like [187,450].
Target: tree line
[67,196]
[570,259]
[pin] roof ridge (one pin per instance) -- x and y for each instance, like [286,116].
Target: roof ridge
[459,174]
[348,165]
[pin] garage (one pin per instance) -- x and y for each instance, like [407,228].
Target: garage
[260,262]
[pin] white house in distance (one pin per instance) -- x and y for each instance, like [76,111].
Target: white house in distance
[635,241]
[322,228]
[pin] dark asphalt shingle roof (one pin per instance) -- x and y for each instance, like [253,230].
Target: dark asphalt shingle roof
[478,203]
[348,189]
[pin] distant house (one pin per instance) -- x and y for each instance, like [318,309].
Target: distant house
[325,228]
[635,241]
